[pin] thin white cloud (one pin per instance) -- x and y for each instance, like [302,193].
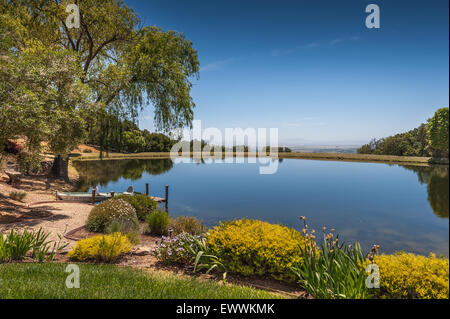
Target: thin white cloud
[336,41]
[312,45]
[309,46]
[216,66]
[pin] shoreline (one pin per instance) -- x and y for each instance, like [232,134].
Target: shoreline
[363,158]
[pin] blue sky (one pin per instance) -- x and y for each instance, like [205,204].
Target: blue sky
[311,68]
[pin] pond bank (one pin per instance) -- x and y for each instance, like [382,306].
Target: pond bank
[365,158]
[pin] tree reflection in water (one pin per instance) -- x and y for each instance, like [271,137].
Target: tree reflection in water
[93,173]
[436,179]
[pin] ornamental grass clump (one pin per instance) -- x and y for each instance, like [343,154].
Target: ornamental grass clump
[252,247]
[405,275]
[16,246]
[104,214]
[332,270]
[189,250]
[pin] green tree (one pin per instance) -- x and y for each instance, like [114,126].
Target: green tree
[134,141]
[124,66]
[438,130]
[157,142]
[42,99]
[412,143]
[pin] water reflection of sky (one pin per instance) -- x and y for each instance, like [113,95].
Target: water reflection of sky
[389,205]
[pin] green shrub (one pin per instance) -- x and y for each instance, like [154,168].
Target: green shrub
[252,247]
[405,275]
[101,248]
[190,225]
[158,223]
[29,163]
[143,204]
[102,215]
[173,250]
[17,196]
[125,227]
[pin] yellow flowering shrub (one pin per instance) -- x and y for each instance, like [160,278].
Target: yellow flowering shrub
[252,247]
[405,275]
[101,248]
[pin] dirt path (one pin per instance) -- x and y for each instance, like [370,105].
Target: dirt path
[51,216]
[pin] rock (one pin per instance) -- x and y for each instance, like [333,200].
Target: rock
[141,252]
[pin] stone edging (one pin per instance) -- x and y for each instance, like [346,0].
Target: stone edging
[69,235]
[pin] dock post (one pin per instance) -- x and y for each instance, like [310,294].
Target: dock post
[147,189]
[93,197]
[167,197]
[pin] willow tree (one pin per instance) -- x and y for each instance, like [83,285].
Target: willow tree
[126,66]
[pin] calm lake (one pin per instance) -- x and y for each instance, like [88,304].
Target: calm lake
[397,207]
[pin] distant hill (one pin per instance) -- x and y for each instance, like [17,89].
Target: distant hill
[347,149]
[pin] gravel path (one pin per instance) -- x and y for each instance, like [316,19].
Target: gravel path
[54,217]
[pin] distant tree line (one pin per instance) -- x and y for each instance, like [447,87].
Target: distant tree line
[280,149]
[110,133]
[430,139]
[205,147]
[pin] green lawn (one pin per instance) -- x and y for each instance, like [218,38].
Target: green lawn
[47,281]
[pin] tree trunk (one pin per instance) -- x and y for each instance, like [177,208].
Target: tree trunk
[60,168]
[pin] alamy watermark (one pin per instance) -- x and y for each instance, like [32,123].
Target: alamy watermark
[73,279]
[373,280]
[73,20]
[373,19]
[232,147]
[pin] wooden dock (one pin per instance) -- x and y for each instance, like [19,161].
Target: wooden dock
[95,198]
[159,199]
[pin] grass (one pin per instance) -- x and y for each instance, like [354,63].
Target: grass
[368,158]
[17,196]
[47,281]
[96,156]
